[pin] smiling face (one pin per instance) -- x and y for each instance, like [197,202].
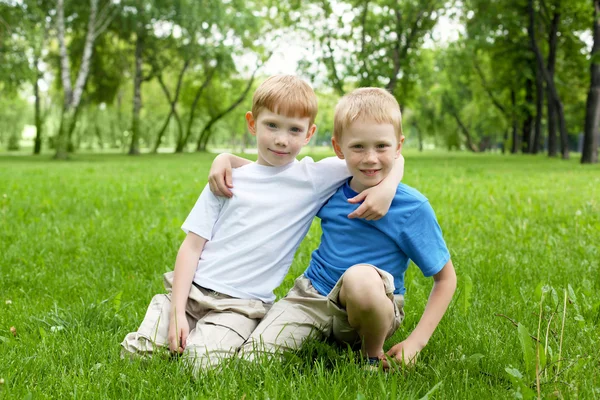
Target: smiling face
[370,150]
[279,138]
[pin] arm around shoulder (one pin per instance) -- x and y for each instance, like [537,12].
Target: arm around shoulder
[219,176]
[378,199]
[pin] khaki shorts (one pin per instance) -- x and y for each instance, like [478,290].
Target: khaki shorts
[219,325]
[304,313]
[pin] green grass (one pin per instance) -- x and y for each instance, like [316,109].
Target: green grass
[83,245]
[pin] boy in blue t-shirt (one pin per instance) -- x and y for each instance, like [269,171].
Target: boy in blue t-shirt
[354,286]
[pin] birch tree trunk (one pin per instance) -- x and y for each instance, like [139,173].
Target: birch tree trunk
[72,94]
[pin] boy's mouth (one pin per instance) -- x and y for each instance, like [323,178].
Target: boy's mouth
[279,153]
[370,172]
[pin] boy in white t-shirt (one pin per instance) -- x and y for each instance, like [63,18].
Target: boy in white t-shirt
[238,250]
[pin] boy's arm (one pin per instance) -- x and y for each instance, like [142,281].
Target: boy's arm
[219,176]
[378,199]
[185,267]
[443,289]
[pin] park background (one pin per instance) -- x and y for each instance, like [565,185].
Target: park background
[112,111]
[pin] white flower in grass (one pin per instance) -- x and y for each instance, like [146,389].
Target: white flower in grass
[577,213]
[9,301]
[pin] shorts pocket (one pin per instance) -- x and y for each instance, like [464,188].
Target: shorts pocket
[238,323]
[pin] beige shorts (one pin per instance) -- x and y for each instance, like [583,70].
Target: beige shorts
[304,313]
[219,325]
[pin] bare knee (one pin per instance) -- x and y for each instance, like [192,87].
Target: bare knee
[362,286]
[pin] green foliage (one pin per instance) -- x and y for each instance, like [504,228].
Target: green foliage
[14,114]
[83,245]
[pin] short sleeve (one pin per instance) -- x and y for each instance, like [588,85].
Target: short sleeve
[422,241]
[204,215]
[327,175]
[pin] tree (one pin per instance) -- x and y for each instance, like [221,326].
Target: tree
[589,154]
[370,42]
[96,24]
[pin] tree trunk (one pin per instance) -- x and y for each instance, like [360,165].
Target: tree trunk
[551,105]
[72,96]
[516,143]
[206,132]
[134,146]
[528,121]
[470,145]
[172,102]
[62,146]
[589,154]
[419,135]
[161,133]
[39,123]
[564,135]
[539,111]
[209,75]
[552,142]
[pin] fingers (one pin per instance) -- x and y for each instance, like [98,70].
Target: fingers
[358,213]
[359,197]
[365,212]
[223,186]
[228,179]
[220,184]
[173,343]
[183,341]
[177,342]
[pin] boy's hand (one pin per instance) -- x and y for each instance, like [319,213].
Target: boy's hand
[405,352]
[179,330]
[219,176]
[376,202]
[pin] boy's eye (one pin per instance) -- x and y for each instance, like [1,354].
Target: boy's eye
[271,125]
[382,146]
[356,146]
[296,130]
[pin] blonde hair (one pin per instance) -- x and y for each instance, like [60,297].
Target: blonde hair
[287,95]
[373,104]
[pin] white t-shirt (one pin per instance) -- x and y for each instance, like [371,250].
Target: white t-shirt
[252,237]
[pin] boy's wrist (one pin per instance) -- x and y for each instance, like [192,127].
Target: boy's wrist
[177,310]
[417,341]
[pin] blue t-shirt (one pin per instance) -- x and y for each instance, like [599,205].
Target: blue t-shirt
[409,231]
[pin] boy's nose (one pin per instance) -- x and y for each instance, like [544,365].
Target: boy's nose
[280,141]
[371,157]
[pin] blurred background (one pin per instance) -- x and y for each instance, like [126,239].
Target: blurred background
[143,76]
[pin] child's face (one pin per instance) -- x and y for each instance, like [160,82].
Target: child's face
[279,138]
[370,151]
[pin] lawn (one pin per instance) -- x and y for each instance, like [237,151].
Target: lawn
[83,245]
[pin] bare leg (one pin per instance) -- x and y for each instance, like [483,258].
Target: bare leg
[369,310]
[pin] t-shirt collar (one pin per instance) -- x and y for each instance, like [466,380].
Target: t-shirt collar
[348,191]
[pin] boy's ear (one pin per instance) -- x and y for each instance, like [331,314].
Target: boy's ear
[251,122]
[400,143]
[337,148]
[310,133]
